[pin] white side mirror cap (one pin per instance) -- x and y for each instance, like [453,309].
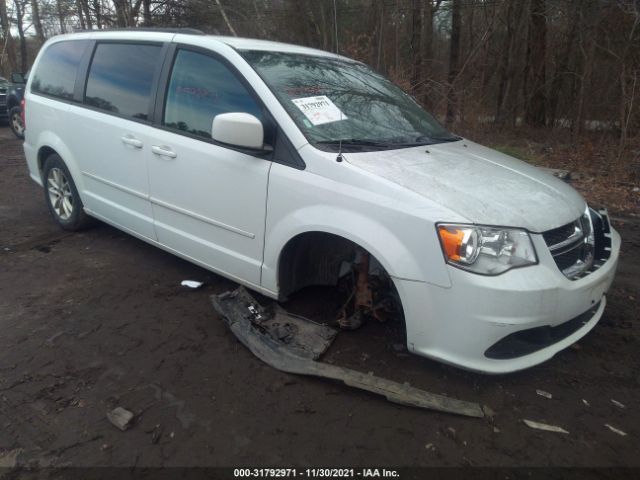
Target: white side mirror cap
[238,129]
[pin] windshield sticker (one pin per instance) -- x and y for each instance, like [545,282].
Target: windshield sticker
[319,110]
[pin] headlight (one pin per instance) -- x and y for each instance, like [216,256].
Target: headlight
[486,250]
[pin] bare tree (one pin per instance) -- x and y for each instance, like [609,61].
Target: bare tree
[415,44]
[20,6]
[454,56]
[226,18]
[536,111]
[7,49]
[35,19]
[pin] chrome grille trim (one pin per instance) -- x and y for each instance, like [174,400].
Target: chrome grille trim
[582,246]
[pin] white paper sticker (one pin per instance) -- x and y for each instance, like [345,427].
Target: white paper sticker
[319,110]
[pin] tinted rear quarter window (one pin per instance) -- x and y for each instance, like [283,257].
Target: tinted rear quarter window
[57,69]
[121,78]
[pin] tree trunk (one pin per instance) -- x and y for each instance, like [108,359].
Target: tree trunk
[428,14]
[415,43]
[504,69]
[7,48]
[84,4]
[260,20]
[61,17]
[146,12]
[562,68]
[324,28]
[380,59]
[536,112]
[454,56]
[83,26]
[97,8]
[37,23]
[24,61]
[226,19]
[628,92]
[122,13]
[585,82]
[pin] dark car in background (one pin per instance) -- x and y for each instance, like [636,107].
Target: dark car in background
[4,89]
[11,94]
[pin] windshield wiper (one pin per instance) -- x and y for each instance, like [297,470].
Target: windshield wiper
[359,143]
[399,142]
[427,140]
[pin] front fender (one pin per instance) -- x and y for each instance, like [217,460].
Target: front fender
[386,246]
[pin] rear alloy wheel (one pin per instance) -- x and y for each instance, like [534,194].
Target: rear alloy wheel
[62,196]
[15,121]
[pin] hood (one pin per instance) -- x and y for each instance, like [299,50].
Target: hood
[478,183]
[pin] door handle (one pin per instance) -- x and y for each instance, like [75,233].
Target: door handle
[163,151]
[132,141]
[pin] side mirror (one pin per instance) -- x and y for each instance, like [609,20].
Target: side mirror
[17,78]
[238,129]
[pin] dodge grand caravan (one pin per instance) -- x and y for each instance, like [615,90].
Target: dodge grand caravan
[282,167]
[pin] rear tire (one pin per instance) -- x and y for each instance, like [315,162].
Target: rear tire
[61,196]
[15,122]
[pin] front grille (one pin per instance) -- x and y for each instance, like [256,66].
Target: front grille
[559,234]
[568,259]
[582,246]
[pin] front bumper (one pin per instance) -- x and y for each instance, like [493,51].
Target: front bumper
[459,325]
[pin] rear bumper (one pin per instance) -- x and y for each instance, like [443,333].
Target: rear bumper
[507,322]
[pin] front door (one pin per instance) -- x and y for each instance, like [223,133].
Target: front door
[208,200]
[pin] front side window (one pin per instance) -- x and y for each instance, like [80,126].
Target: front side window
[340,103]
[57,69]
[121,77]
[200,88]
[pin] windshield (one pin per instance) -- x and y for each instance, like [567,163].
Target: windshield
[335,101]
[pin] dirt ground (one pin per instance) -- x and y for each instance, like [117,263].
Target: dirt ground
[95,320]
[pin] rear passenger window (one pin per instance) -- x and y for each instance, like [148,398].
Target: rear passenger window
[120,78]
[200,88]
[57,69]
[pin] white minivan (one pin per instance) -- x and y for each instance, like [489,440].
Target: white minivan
[281,167]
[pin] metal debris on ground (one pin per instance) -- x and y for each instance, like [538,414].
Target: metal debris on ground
[618,404]
[488,412]
[586,402]
[157,433]
[191,284]
[615,430]
[292,344]
[544,426]
[121,418]
[544,394]
[9,458]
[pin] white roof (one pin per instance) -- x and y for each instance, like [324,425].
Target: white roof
[269,46]
[167,36]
